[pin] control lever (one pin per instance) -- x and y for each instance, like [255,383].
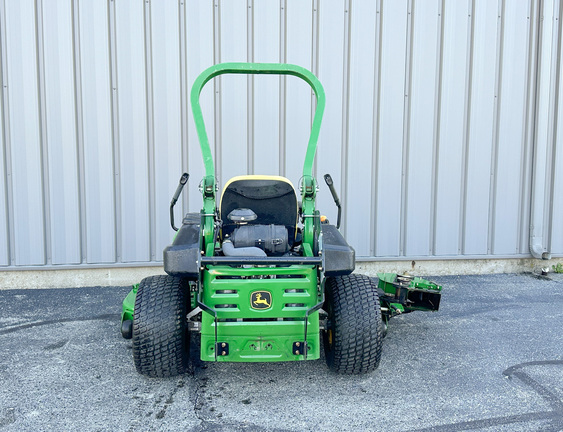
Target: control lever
[330,184]
[183,181]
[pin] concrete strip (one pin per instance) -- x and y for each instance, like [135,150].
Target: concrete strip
[121,276]
[38,279]
[456,267]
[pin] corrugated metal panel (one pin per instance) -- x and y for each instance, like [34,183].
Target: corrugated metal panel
[132,129]
[28,219]
[452,128]
[556,238]
[362,96]
[441,126]
[166,116]
[202,50]
[420,146]
[300,26]
[4,187]
[97,132]
[60,135]
[511,143]
[391,106]
[482,115]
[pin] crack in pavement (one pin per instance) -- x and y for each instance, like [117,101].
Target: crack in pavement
[57,321]
[210,422]
[555,416]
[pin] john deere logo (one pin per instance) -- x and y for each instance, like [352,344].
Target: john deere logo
[260,300]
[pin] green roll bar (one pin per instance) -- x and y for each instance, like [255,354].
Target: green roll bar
[309,184]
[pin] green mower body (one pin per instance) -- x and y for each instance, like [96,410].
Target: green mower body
[259,277]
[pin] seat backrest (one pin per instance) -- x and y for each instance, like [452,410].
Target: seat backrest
[272,198]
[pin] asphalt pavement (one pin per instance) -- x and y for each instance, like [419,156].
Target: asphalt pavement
[491,359]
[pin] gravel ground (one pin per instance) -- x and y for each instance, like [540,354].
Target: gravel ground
[491,359]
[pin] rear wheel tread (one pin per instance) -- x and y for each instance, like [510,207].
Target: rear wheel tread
[160,337]
[355,314]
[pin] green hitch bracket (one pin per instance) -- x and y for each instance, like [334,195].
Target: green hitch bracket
[404,293]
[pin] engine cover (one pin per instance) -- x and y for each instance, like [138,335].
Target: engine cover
[272,239]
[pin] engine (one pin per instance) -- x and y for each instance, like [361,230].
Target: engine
[272,239]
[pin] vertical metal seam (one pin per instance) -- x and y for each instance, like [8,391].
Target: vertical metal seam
[115,130]
[43,138]
[467,128]
[250,88]
[406,128]
[493,179]
[79,122]
[376,123]
[217,102]
[184,138]
[345,111]
[552,148]
[437,127]
[8,183]
[149,113]
[534,116]
[527,128]
[315,64]
[282,89]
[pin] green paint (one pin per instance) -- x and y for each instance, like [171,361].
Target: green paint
[259,335]
[129,304]
[209,184]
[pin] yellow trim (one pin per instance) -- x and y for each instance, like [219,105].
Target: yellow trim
[256,177]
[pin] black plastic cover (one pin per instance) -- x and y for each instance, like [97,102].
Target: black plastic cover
[339,256]
[182,257]
[272,239]
[274,202]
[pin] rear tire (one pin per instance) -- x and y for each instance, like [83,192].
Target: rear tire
[354,336]
[160,336]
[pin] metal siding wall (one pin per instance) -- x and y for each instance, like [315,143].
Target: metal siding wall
[200,19]
[433,132]
[266,89]
[333,59]
[454,86]
[61,132]
[544,126]
[133,176]
[166,114]
[25,134]
[361,130]
[96,121]
[390,108]
[511,130]
[235,145]
[556,245]
[4,231]
[422,117]
[299,46]
[4,184]
[481,127]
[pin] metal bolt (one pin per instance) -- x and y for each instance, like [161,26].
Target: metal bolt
[297,344]
[296,352]
[223,345]
[224,353]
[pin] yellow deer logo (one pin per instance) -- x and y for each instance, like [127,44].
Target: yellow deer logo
[261,300]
